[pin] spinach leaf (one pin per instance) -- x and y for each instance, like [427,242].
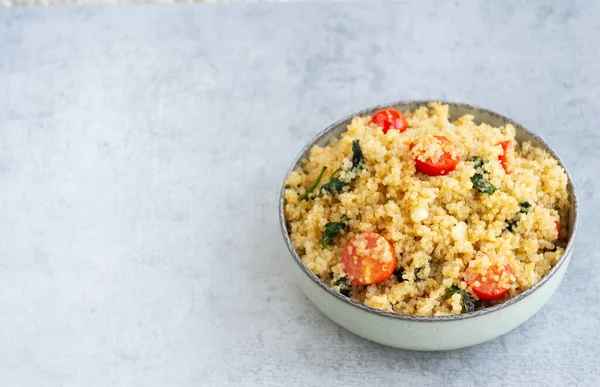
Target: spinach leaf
[511,225]
[312,187]
[417,271]
[478,161]
[398,273]
[343,286]
[334,185]
[451,290]
[480,182]
[479,179]
[467,302]
[332,229]
[465,298]
[524,206]
[357,156]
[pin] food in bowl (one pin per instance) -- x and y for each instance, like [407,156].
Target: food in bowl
[413,214]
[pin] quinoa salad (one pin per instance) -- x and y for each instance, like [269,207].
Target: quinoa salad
[412,213]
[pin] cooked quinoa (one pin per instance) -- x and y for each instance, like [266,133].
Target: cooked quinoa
[438,226]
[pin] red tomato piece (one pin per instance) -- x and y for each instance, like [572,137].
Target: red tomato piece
[446,163]
[368,258]
[488,287]
[508,155]
[390,118]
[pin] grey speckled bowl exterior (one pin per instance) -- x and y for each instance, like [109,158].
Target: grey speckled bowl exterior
[438,332]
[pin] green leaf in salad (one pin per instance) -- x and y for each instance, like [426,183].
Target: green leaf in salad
[478,161]
[480,182]
[332,229]
[524,207]
[316,183]
[480,178]
[398,273]
[511,224]
[417,271]
[465,298]
[343,286]
[357,156]
[334,185]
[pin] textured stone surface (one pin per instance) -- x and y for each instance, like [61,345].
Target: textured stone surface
[141,152]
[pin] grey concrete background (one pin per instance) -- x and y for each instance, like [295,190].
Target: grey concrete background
[141,152]
[12,3]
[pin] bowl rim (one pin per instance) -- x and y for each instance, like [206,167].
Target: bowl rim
[412,318]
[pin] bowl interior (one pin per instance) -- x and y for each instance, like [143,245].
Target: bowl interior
[456,110]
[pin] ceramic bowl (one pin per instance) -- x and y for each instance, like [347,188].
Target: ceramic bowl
[438,332]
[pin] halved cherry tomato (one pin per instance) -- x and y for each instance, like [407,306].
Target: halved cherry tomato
[507,156]
[487,287]
[390,118]
[368,258]
[446,163]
